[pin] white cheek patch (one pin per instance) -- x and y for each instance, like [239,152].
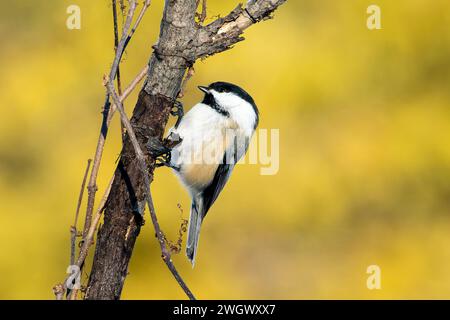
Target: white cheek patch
[240,110]
[227,100]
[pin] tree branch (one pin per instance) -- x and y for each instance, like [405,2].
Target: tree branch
[92,186]
[223,33]
[73,229]
[88,240]
[116,44]
[143,167]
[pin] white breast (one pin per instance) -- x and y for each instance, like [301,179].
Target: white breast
[206,136]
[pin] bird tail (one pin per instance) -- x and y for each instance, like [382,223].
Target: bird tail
[195,222]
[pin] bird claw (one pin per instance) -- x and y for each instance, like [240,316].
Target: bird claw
[156,147]
[163,160]
[177,110]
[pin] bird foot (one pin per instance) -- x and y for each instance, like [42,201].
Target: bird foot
[161,150]
[177,111]
[156,147]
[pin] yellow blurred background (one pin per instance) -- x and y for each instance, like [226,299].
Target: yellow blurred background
[364,174]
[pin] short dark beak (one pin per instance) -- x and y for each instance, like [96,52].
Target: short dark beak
[204,89]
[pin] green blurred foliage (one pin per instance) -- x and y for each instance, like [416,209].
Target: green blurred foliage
[364,173]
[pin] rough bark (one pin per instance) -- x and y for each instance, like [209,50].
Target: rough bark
[126,202]
[181,42]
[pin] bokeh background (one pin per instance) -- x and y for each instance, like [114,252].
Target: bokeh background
[364,174]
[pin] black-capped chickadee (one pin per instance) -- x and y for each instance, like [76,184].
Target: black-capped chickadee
[212,137]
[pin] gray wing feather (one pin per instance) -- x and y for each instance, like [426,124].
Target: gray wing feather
[233,154]
[211,192]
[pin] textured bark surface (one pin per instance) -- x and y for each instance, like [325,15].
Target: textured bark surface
[181,42]
[126,202]
[117,236]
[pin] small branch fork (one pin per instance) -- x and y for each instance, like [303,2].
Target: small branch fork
[223,33]
[183,38]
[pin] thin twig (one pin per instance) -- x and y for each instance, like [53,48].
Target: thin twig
[90,235]
[189,74]
[138,20]
[134,83]
[166,256]
[122,7]
[116,44]
[175,247]
[92,186]
[88,239]
[58,290]
[73,229]
[73,294]
[124,39]
[203,14]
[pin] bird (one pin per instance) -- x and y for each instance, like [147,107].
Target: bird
[212,137]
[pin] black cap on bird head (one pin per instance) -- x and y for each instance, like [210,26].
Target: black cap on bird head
[226,87]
